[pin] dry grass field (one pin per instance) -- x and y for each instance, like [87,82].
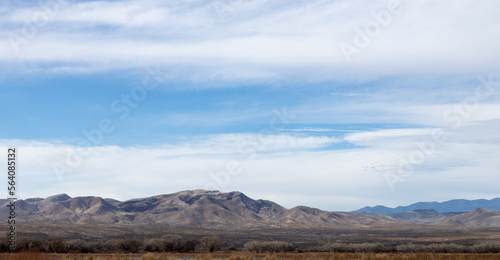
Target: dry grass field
[247,256]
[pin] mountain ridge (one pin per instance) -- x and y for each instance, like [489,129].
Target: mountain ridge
[214,209]
[455,205]
[195,208]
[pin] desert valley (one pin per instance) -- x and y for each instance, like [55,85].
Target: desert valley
[187,221]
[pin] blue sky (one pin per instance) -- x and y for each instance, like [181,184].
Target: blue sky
[190,91]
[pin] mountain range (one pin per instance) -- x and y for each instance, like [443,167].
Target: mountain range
[447,207]
[198,208]
[214,209]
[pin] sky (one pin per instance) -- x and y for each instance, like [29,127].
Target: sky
[330,104]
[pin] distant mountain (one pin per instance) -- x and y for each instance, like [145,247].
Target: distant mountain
[376,210]
[198,208]
[456,206]
[419,215]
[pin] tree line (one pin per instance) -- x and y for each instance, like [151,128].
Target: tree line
[176,243]
[167,243]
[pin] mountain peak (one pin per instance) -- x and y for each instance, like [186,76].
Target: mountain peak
[59,197]
[43,204]
[481,210]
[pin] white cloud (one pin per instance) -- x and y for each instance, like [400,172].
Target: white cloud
[387,133]
[259,39]
[287,169]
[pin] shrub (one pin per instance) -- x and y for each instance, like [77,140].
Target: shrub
[81,246]
[366,247]
[407,248]
[109,245]
[154,245]
[31,244]
[171,243]
[129,245]
[270,246]
[210,243]
[55,244]
[486,247]
[334,248]
[354,248]
[190,245]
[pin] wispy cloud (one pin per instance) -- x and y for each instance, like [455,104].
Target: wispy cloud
[284,164]
[316,129]
[346,94]
[387,133]
[256,40]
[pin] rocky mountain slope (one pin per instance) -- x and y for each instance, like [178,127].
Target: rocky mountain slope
[479,218]
[198,208]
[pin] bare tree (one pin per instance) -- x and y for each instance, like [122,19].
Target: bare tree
[31,244]
[155,245]
[269,246]
[55,244]
[190,245]
[129,245]
[210,243]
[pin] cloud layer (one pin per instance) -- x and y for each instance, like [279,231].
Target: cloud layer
[289,169]
[238,40]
